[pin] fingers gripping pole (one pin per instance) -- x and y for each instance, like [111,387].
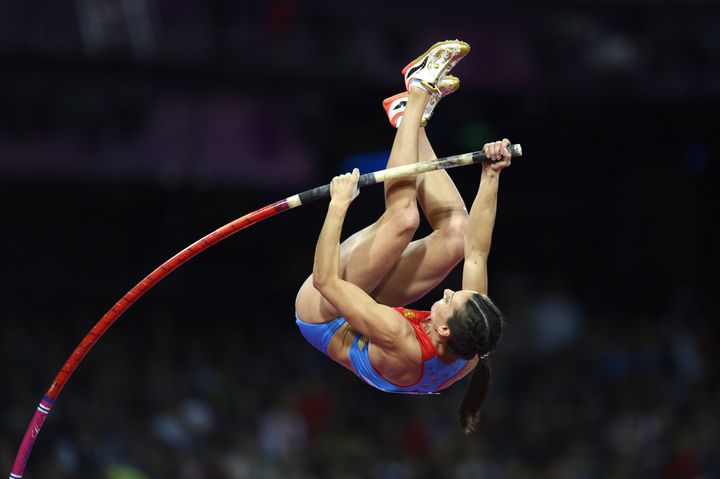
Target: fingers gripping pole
[193,250]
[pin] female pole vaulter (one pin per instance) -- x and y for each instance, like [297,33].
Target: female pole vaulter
[348,307]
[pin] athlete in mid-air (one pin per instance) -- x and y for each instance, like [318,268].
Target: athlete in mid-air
[349,307]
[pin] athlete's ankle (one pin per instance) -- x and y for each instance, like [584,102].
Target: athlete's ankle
[419,92]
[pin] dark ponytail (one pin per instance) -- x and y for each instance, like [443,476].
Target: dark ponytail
[475,330]
[475,395]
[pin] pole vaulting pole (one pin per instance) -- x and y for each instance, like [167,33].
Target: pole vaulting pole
[194,249]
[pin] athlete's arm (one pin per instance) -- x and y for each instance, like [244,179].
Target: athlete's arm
[482,217]
[380,323]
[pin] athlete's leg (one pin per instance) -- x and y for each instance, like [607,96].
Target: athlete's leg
[439,198]
[371,252]
[367,256]
[426,262]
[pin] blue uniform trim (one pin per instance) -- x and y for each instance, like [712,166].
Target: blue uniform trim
[360,359]
[319,335]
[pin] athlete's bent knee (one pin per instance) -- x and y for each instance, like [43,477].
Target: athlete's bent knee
[454,235]
[405,220]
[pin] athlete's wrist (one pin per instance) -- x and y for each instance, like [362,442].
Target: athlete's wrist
[339,205]
[489,173]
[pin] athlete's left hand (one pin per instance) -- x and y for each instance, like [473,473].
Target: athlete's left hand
[344,188]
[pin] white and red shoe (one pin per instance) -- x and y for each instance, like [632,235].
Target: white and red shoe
[395,105]
[427,70]
[395,108]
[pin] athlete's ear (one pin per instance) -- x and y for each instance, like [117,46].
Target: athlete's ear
[443,331]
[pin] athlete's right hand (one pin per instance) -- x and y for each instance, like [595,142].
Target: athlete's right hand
[344,188]
[498,156]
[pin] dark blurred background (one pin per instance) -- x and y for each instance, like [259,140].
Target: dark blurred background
[131,128]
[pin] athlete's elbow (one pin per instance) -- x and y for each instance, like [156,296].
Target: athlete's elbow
[319,281]
[477,248]
[322,281]
[476,253]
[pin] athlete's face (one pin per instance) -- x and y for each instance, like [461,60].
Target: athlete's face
[443,309]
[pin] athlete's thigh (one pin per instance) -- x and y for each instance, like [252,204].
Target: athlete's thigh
[366,258]
[424,264]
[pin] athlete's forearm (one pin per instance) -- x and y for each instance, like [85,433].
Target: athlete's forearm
[482,214]
[327,251]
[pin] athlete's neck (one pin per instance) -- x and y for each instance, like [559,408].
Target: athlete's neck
[443,352]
